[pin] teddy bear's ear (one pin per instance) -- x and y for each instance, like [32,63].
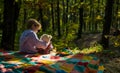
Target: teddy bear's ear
[43,36]
[50,37]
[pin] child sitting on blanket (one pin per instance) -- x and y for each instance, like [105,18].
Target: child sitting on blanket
[45,38]
[29,41]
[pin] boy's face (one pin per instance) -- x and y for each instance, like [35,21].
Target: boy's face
[36,28]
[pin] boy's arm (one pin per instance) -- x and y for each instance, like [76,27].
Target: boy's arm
[38,43]
[49,47]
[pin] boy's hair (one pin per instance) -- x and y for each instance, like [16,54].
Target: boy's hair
[32,22]
[46,35]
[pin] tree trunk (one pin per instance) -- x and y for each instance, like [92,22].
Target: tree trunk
[81,21]
[66,17]
[63,18]
[41,19]
[75,1]
[107,23]
[52,13]
[24,19]
[0,21]
[118,19]
[91,22]
[116,14]
[58,19]
[11,13]
[97,13]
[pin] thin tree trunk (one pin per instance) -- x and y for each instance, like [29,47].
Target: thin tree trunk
[116,13]
[96,26]
[67,1]
[0,21]
[75,1]
[91,16]
[63,18]
[41,19]
[58,19]
[98,13]
[24,19]
[107,23]
[118,19]
[24,14]
[84,27]
[81,21]
[52,13]
[93,20]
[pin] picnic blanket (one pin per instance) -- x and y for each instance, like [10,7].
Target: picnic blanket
[15,62]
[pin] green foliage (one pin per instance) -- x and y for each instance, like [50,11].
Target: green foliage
[59,44]
[1,11]
[115,40]
[119,14]
[93,49]
[66,40]
[75,50]
[69,29]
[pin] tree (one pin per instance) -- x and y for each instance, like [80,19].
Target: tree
[41,18]
[24,13]
[11,13]
[43,5]
[81,22]
[58,18]
[107,23]
[63,17]
[52,15]
[66,17]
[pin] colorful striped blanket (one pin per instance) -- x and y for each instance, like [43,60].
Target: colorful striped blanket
[15,62]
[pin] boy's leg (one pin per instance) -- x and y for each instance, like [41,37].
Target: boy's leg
[41,51]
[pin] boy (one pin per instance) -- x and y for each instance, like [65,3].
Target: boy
[29,41]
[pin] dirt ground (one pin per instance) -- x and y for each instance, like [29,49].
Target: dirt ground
[110,57]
